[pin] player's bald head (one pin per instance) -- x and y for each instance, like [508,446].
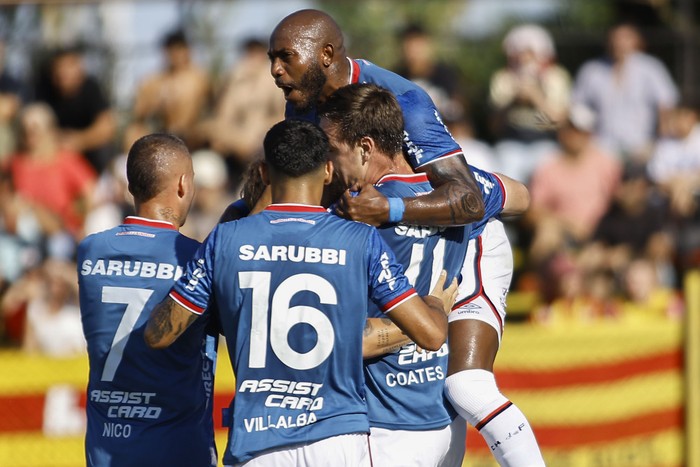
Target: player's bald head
[310,25]
[153,161]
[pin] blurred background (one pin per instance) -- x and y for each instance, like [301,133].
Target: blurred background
[592,103]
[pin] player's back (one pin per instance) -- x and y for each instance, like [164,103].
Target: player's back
[405,387]
[144,406]
[292,286]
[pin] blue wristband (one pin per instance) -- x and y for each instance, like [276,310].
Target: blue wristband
[396,209]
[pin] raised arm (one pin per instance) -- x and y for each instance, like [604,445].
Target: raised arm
[455,200]
[166,323]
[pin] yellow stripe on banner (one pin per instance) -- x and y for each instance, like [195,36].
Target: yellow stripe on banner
[22,374]
[39,451]
[662,450]
[571,346]
[584,405]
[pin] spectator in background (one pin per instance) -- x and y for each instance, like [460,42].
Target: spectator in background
[173,99]
[87,124]
[646,298]
[49,294]
[629,90]
[528,98]
[478,153]
[210,180]
[420,64]
[10,102]
[54,180]
[636,224]
[572,192]
[250,105]
[675,161]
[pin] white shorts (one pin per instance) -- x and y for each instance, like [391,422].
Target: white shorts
[404,448]
[486,276]
[337,451]
[458,444]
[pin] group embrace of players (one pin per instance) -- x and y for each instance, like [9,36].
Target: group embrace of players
[336,330]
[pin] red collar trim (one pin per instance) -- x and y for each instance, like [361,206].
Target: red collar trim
[412,178]
[290,207]
[354,71]
[133,220]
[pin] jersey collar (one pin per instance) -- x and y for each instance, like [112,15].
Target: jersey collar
[291,207]
[134,220]
[354,71]
[406,178]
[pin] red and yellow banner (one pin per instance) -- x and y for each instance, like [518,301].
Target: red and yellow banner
[598,395]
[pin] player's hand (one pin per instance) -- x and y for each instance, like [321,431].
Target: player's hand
[369,206]
[448,295]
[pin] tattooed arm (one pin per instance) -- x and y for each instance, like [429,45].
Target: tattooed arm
[381,336]
[167,322]
[455,200]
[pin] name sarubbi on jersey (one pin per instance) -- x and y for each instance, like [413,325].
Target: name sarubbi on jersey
[146,269]
[292,253]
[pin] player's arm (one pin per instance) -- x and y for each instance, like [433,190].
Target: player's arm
[166,323]
[381,336]
[455,199]
[516,194]
[424,319]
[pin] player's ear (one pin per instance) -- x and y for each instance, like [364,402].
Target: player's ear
[182,186]
[263,173]
[366,149]
[327,55]
[328,177]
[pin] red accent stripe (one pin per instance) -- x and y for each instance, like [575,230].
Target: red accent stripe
[132,220]
[503,190]
[355,72]
[186,303]
[607,372]
[493,415]
[403,296]
[295,208]
[412,178]
[569,436]
[480,286]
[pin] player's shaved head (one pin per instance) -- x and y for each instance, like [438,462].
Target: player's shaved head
[152,162]
[311,25]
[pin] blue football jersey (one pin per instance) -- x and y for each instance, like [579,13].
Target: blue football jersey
[291,284]
[494,195]
[145,407]
[405,388]
[426,138]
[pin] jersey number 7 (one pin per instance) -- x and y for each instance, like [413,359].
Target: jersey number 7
[135,300]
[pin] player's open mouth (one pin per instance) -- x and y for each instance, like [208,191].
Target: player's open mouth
[286,89]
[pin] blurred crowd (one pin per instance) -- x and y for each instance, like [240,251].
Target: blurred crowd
[610,153]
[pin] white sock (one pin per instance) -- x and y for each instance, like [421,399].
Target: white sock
[475,396]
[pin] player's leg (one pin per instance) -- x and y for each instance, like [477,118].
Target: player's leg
[473,392]
[406,448]
[474,337]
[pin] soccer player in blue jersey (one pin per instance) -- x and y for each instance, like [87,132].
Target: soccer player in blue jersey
[364,123]
[145,407]
[309,62]
[291,284]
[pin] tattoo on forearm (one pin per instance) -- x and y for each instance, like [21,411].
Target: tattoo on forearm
[159,324]
[368,329]
[382,337]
